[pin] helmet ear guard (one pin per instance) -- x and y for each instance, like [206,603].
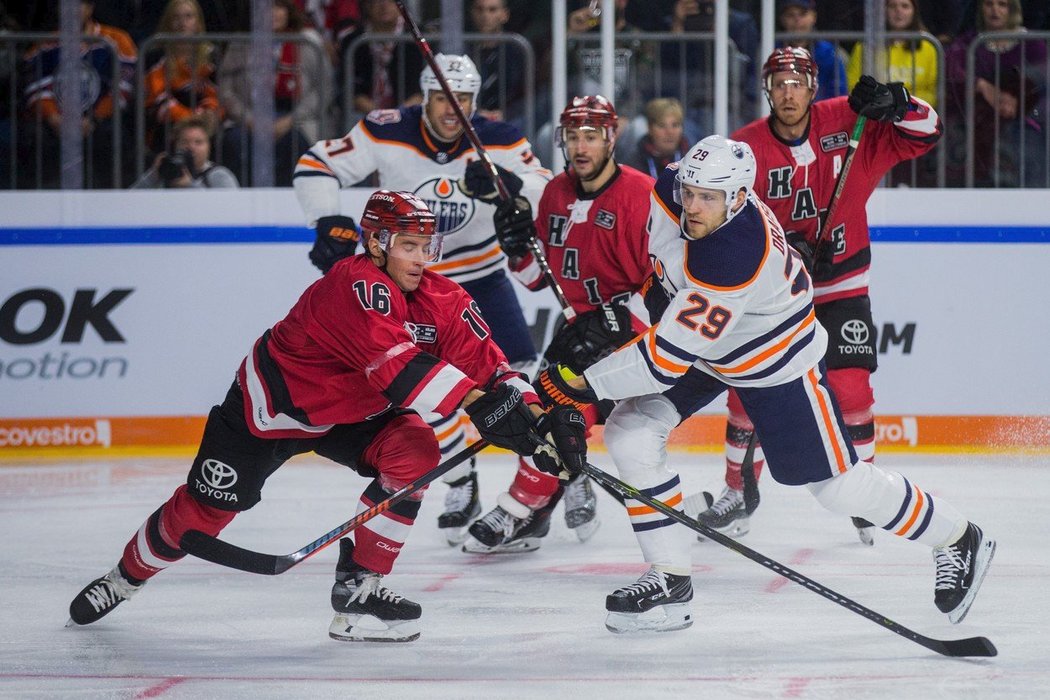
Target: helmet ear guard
[717,163]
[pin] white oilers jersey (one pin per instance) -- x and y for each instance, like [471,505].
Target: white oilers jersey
[396,144]
[741,306]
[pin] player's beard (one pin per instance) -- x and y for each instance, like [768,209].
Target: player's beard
[598,169]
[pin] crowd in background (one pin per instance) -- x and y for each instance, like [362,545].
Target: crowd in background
[329,71]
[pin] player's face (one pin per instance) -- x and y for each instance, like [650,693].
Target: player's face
[406,257]
[588,151]
[442,115]
[791,97]
[703,210]
[666,134]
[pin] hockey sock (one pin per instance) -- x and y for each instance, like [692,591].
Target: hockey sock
[737,439]
[379,540]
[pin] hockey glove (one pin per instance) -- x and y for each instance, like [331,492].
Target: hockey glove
[553,388]
[879,101]
[590,337]
[514,227]
[477,182]
[337,238]
[568,429]
[503,419]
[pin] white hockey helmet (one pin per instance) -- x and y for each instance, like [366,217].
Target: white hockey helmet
[460,73]
[717,163]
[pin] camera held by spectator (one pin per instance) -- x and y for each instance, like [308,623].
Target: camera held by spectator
[176,166]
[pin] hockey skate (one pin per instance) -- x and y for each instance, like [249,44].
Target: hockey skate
[100,597]
[461,506]
[581,507]
[865,531]
[501,532]
[961,567]
[657,602]
[365,611]
[727,515]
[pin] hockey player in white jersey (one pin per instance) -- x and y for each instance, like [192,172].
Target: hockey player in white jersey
[423,149]
[741,315]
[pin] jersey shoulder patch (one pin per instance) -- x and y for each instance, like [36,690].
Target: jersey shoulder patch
[732,256]
[393,124]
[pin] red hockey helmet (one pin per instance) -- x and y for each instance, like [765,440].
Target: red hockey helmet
[388,214]
[588,112]
[790,59]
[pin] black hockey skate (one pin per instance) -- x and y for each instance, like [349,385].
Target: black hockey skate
[961,567]
[100,597]
[657,602]
[461,506]
[501,532]
[727,515]
[365,611]
[865,530]
[581,507]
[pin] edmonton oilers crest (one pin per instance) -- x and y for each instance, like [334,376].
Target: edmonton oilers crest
[452,208]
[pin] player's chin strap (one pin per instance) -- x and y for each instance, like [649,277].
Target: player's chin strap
[971,646]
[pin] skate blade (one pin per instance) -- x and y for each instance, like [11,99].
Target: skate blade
[368,628]
[527,544]
[662,618]
[984,560]
[585,531]
[738,528]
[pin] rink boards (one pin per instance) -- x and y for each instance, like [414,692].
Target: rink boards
[123,315]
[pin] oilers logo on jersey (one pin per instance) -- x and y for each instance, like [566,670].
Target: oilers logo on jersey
[452,208]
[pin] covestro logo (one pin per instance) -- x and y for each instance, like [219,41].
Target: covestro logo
[59,434]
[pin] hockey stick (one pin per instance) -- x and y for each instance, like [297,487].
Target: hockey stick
[747,475]
[840,184]
[971,646]
[217,551]
[472,136]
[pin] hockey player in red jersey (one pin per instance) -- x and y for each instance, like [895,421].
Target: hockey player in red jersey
[591,225]
[741,315]
[369,350]
[423,149]
[800,150]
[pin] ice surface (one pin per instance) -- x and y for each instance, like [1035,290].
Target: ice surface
[514,626]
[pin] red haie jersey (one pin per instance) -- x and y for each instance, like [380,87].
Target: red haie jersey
[355,345]
[797,182]
[596,243]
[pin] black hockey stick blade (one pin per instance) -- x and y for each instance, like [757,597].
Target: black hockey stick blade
[747,475]
[204,546]
[971,646]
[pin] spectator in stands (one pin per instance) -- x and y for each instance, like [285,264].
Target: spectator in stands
[299,69]
[912,62]
[140,19]
[692,65]
[386,73]
[99,102]
[181,83]
[187,163]
[1010,100]
[800,16]
[664,141]
[501,63]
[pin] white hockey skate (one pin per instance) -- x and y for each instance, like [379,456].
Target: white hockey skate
[656,602]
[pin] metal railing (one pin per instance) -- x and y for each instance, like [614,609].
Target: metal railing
[1032,121]
[222,42]
[25,162]
[471,41]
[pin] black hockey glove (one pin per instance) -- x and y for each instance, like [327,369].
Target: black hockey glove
[818,263]
[590,337]
[514,227]
[477,182]
[566,427]
[879,101]
[553,388]
[655,297]
[337,238]
[503,419]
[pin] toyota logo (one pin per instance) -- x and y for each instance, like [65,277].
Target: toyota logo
[217,474]
[855,331]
